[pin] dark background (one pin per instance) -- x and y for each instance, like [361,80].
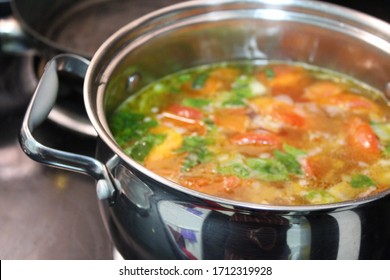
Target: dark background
[377,8]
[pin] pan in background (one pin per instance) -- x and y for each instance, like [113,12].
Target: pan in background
[40,29]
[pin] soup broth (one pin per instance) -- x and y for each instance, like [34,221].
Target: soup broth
[275,133]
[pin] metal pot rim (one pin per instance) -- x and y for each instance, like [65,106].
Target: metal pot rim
[97,116]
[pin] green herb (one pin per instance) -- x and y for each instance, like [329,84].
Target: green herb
[184,78]
[159,88]
[197,152]
[211,127]
[387,150]
[241,90]
[150,99]
[194,158]
[234,102]
[319,197]
[382,130]
[191,143]
[141,148]
[128,126]
[199,81]
[196,102]
[238,169]
[293,151]
[269,73]
[361,181]
[268,169]
[242,87]
[289,161]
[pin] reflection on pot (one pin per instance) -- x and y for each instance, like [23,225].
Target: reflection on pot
[175,229]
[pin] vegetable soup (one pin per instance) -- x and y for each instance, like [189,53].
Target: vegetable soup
[275,133]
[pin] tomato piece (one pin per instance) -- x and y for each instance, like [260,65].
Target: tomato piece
[289,117]
[321,165]
[362,141]
[232,120]
[258,138]
[350,102]
[278,110]
[185,111]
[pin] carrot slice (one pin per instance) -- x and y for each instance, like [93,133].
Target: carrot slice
[362,142]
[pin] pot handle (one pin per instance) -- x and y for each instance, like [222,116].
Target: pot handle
[40,106]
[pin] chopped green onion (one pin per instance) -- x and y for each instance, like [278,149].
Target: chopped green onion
[199,81]
[184,78]
[234,102]
[268,169]
[382,130]
[196,102]
[319,197]
[387,150]
[241,87]
[141,148]
[361,181]
[128,126]
[238,169]
[293,151]
[269,73]
[289,161]
[196,147]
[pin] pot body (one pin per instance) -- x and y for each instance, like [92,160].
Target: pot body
[152,221]
[153,218]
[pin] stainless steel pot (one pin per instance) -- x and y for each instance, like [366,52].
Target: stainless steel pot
[153,218]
